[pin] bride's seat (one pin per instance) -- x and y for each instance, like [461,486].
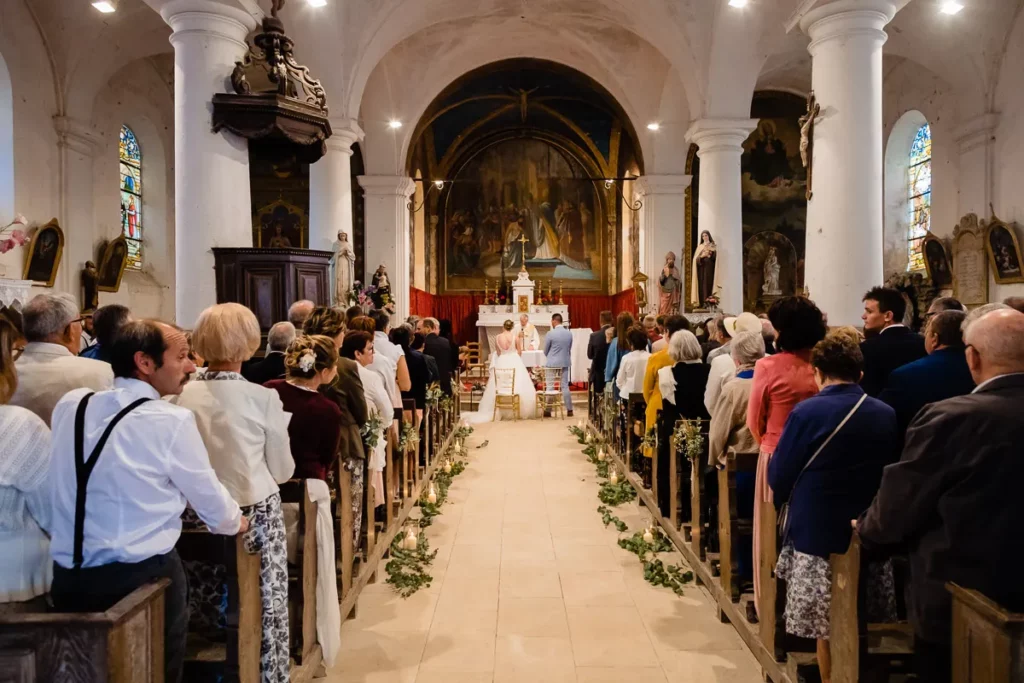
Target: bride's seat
[505,395]
[550,396]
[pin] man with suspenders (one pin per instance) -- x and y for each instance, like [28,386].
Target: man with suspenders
[125,463]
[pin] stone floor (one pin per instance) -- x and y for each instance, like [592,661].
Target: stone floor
[530,586]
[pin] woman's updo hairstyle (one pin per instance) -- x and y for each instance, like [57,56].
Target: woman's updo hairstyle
[508,325]
[838,356]
[308,355]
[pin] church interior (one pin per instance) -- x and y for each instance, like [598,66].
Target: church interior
[493,176]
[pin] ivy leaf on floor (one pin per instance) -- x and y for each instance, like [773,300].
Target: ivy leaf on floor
[616,494]
[608,518]
[407,569]
[486,441]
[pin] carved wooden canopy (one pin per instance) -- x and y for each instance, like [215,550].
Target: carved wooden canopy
[275,97]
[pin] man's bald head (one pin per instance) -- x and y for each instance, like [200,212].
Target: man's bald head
[299,311]
[995,344]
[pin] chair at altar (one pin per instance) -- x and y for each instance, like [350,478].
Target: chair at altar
[505,396]
[550,397]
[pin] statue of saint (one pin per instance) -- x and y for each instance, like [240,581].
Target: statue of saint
[90,288]
[771,274]
[383,285]
[704,262]
[344,267]
[671,287]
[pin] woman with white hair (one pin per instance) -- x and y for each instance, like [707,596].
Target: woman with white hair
[245,430]
[682,390]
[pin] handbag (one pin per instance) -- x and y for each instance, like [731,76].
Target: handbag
[783,519]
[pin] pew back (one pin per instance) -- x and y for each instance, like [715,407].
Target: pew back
[731,527]
[988,641]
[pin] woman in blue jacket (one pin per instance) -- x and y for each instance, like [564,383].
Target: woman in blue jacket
[828,465]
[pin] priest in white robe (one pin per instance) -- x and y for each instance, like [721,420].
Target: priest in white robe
[526,332]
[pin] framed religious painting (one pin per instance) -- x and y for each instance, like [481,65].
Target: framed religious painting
[44,253]
[936,262]
[1003,252]
[112,264]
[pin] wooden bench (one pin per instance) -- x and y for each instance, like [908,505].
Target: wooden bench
[988,640]
[732,528]
[635,421]
[125,644]
[302,578]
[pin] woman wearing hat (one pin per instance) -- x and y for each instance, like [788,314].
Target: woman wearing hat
[722,366]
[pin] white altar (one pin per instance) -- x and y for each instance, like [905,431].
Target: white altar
[491,318]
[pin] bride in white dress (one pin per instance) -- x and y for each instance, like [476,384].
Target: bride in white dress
[508,355]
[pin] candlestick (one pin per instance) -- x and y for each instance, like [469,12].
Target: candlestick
[560,302]
[487,289]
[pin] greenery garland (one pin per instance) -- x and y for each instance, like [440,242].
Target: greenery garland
[434,393]
[410,438]
[371,431]
[616,494]
[656,572]
[650,440]
[580,434]
[407,569]
[608,518]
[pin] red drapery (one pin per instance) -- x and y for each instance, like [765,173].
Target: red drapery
[421,303]
[624,301]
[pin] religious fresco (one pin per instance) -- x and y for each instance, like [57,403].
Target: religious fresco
[774,183]
[280,198]
[520,189]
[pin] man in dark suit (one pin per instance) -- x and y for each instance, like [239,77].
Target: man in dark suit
[597,352]
[890,344]
[440,349]
[954,498]
[279,338]
[942,374]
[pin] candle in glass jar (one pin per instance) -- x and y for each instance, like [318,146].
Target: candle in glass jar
[410,541]
[614,478]
[432,496]
[447,466]
[600,455]
[648,535]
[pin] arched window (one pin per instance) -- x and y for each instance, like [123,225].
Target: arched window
[131,195]
[919,195]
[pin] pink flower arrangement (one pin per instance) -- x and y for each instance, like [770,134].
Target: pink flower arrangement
[16,238]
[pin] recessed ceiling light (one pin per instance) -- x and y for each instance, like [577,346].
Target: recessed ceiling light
[654,125]
[394,124]
[316,3]
[951,7]
[104,6]
[737,3]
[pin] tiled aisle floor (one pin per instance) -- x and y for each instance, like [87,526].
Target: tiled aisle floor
[530,586]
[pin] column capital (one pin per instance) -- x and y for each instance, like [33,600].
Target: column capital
[387,185]
[975,133]
[76,135]
[344,134]
[844,18]
[720,135]
[662,184]
[208,17]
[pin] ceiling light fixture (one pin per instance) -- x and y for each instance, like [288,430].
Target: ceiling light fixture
[738,3]
[654,125]
[316,3]
[951,7]
[394,124]
[105,6]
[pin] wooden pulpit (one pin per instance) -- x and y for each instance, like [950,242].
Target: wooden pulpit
[268,281]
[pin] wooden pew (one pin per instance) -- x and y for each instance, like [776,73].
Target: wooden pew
[125,644]
[302,577]
[679,494]
[731,527]
[769,610]
[988,641]
[341,512]
[862,651]
[636,407]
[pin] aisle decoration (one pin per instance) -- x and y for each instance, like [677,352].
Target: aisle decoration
[687,438]
[407,566]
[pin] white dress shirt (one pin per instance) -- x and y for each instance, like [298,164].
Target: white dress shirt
[377,401]
[48,371]
[632,368]
[245,429]
[383,345]
[722,367]
[152,465]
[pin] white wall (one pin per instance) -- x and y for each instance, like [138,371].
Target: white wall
[1008,193]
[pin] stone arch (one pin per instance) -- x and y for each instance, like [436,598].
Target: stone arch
[897,161]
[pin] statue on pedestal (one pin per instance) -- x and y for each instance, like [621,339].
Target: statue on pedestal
[344,267]
[771,274]
[671,287]
[90,288]
[704,262]
[383,286]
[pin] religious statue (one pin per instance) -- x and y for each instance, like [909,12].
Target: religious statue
[344,267]
[671,287]
[90,288]
[704,262]
[771,274]
[383,286]
[807,139]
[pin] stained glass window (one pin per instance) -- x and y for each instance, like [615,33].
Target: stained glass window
[131,196]
[919,195]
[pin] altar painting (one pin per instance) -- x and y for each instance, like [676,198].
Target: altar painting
[516,189]
[774,184]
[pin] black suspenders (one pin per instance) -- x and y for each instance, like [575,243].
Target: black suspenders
[84,468]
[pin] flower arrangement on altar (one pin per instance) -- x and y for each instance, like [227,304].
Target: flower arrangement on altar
[16,235]
[367,298]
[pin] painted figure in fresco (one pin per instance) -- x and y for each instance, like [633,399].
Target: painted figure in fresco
[570,231]
[771,274]
[671,287]
[769,165]
[704,261]
[344,267]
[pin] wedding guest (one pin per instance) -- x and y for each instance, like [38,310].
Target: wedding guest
[633,366]
[828,465]
[299,311]
[106,321]
[721,366]
[1015,302]
[651,328]
[768,334]
[25,566]
[780,382]
[597,352]
[942,374]
[279,338]
[889,343]
[315,425]
[418,344]
[198,361]
[713,327]
[49,367]
[152,465]
[445,331]
[724,327]
[88,337]
[381,364]
[245,430]
[383,346]
[954,497]
[976,314]
[943,303]
[351,313]
[617,348]
[440,349]
[729,418]
[652,391]
[419,373]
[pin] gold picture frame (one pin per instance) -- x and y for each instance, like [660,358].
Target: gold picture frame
[523,303]
[1003,250]
[933,247]
[112,265]
[44,253]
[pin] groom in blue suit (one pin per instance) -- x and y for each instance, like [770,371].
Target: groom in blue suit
[558,354]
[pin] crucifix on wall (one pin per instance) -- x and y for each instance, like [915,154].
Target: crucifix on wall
[807,140]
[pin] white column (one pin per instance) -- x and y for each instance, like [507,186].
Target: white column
[330,188]
[844,216]
[78,143]
[212,207]
[387,232]
[662,225]
[977,141]
[719,206]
